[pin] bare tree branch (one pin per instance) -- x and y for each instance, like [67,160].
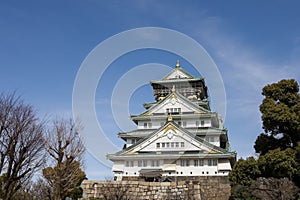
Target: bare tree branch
[66,150]
[21,144]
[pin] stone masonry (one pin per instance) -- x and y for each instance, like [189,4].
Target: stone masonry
[200,188]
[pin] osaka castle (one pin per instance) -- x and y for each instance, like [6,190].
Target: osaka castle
[177,136]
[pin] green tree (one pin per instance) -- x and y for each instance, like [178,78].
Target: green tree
[244,172]
[239,192]
[280,116]
[70,176]
[278,163]
[297,174]
[270,176]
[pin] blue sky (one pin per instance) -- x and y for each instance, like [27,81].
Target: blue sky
[43,43]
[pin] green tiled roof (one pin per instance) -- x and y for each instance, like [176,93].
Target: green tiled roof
[147,105]
[175,116]
[183,98]
[178,68]
[221,150]
[145,132]
[170,156]
[175,80]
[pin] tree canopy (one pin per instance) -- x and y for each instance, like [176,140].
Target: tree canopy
[244,171]
[280,116]
[277,168]
[278,163]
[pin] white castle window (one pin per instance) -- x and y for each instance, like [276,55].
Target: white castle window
[196,163]
[210,139]
[183,124]
[200,124]
[184,163]
[154,163]
[144,163]
[199,163]
[140,163]
[133,141]
[212,162]
[187,163]
[173,110]
[148,125]
[209,162]
[168,145]
[129,163]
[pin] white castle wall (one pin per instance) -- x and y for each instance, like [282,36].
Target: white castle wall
[185,123]
[132,168]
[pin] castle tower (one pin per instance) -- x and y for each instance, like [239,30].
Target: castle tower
[178,136]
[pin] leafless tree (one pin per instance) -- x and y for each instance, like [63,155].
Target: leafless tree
[21,144]
[40,189]
[66,149]
[273,188]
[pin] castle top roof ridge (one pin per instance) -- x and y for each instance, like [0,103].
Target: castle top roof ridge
[178,73]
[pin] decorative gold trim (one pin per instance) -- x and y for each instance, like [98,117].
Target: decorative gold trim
[170,119]
[173,96]
[169,127]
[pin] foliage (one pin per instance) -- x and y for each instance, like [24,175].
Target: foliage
[71,177]
[281,116]
[77,191]
[275,163]
[297,174]
[265,142]
[278,164]
[244,172]
[66,150]
[279,160]
[21,144]
[40,190]
[239,192]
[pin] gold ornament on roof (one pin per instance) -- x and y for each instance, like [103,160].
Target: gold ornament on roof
[173,88]
[170,118]
[177,64]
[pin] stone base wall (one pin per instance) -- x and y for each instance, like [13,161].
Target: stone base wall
[196,188]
